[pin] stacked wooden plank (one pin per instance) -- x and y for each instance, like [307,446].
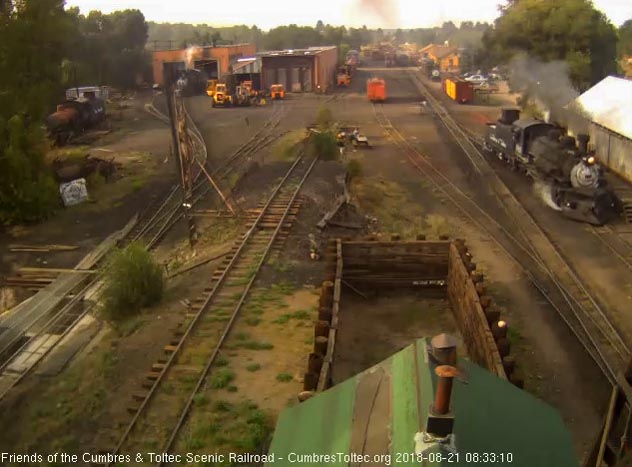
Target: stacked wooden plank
[372,264]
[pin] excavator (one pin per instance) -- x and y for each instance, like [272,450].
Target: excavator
[277,91]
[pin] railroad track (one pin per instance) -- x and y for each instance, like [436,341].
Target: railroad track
[159,414]
[609,237]
[527,244]
[47,331]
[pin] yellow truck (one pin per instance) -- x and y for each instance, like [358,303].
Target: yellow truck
[221,97]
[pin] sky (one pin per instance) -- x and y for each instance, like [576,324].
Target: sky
[404,14]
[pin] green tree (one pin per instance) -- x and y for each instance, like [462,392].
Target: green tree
[625,39]
[33,43]
[570,30]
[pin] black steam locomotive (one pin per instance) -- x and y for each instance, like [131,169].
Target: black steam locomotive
[73,117]
[567,174]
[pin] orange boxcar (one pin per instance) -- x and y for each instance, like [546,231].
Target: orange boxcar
[459,90]
[376,90]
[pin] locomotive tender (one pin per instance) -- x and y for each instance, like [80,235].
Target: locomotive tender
[563,165]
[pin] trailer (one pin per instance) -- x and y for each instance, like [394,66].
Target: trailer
[376,90]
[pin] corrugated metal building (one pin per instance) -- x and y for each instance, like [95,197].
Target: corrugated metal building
[300,70]
[248,69]
[608,107]
[214,61]
[385,410]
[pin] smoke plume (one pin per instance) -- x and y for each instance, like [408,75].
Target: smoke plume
[544,191]
[549,86]
[385,11]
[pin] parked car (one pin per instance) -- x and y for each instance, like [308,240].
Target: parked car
[476,79]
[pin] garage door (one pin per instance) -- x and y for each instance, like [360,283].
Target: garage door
[306,79]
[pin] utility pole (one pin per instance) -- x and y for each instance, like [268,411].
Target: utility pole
[183,148]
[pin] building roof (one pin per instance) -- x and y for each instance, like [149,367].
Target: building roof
[381,410]
[608,104]
[439,51]
[247,65]
[296,52]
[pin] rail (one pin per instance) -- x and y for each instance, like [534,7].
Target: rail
[583,315]
[229,278]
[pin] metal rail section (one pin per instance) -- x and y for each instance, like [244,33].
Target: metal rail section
[536,254]
[221,281]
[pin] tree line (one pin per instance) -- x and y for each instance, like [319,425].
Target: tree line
[45,48]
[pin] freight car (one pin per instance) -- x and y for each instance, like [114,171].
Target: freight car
[73,117]
[459,90]
[569,178]
[376,90]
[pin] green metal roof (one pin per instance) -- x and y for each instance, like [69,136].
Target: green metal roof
[378,412]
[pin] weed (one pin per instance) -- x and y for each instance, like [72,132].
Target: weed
[221,361]
[254,345]
[513,335]
[138,182]
[253,321]
[284,377]
[222,406]
[242,336]
[284,318]
[232,389]
[253,367]
[221,378]
[354,168]
[200,400]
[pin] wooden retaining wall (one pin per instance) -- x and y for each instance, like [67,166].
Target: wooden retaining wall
[469,306]
[444,268]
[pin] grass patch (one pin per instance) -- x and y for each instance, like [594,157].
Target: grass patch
[253,367]
[221,378]
[237,428]
[354,168]
[284,377]
[253,321]
[513,335]
[200,400]
[221,361]
[254,345]
[242,336]
[232,388]
[300,315]
[222,406]
[286,147]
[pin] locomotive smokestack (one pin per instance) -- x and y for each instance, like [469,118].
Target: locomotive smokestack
[509,115]
[445,375]
[582,143]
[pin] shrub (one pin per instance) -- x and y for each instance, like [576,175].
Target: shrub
[324,118]
[252,367]
[133,280]
[324,145]
[284,377]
